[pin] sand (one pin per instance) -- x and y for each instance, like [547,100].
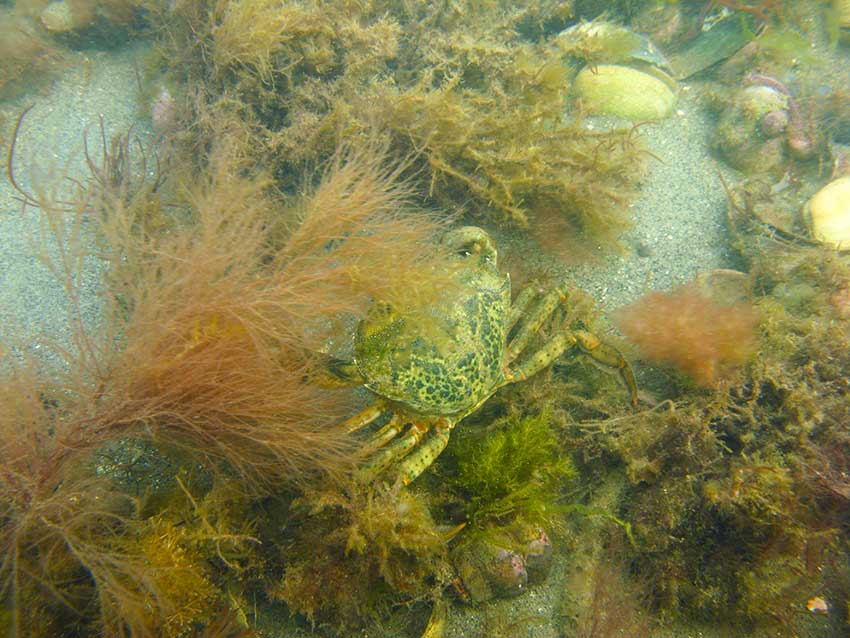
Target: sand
[679,215]
[93,87]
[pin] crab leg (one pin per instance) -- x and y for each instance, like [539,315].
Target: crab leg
[608,356]
[520,305]
[542,358]
[399,448]
[541,311]
[386,434]
[437,621]
[363,418]
[418,461]
[588,344]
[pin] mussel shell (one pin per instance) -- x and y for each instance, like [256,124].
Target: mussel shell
[714,45]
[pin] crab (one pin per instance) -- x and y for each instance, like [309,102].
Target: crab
[428,380]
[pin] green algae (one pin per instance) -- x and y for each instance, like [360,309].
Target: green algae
[515,469]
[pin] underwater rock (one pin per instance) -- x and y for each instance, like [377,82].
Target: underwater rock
[773,123]
[827,214]
[751,132]
[840,302]
[86,22]
[626,92]
[59,17]
[758,100]
[488,571]
[504,568]
[603,42]
[163,111]
[664,22]
[723,285]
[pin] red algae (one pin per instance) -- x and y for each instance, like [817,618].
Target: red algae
[694,333]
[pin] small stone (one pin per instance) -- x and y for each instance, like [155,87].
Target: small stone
[163,111]
[488,571]
[538,557]
[63,17]
[57,17]
[508,574]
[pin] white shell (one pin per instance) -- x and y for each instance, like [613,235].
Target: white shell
[623,91]
[828,214]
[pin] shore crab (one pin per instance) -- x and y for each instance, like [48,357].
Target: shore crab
[427,381]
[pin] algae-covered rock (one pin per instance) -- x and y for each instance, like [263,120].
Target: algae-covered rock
[105,22]
[752,131]
[59,17]
[626,92]
[488,571]
[828,214]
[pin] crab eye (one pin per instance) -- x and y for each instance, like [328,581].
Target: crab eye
[468,250]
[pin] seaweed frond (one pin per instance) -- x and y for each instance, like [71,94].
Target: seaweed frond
[516,471]
[689,330]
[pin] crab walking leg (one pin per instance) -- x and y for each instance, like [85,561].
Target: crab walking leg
[396,450]
[385,434]
[421,458]
[588,344]
[363,418]
[520,305]
[609,356]
[539,313]
[437,621]
[542,358]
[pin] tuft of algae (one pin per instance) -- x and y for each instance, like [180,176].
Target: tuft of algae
[285,84]
[515,469]
[355,551]
[734,494]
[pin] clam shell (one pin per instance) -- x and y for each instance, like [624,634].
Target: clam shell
[827,214]
[626,92]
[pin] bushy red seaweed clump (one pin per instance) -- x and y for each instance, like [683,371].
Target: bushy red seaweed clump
[691,331]
[198,380]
